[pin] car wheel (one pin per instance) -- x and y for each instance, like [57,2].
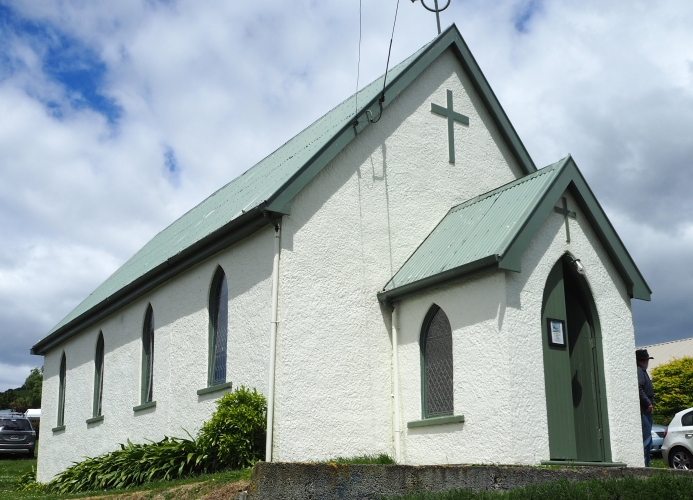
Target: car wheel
[681,458]
[31,453]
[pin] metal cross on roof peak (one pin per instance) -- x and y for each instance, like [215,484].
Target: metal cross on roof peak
[452,116]
[566,213]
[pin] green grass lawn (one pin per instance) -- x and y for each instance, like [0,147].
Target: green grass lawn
[13,467]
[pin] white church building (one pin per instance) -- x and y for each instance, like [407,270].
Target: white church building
[398,278]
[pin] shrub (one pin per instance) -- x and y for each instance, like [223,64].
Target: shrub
[673,388]
[27,482]
[235,435]
[233,438]
[132,465]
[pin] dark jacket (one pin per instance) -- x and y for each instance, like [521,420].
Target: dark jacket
[646,389]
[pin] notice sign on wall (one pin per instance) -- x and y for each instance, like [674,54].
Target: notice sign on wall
[556,332]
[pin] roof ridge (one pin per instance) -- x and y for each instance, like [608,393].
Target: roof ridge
[665,343]
[526,178]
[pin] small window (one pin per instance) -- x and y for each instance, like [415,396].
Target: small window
[687,419]
[436,354]
[148,357]
[98,377]
[219,325]
[61,391]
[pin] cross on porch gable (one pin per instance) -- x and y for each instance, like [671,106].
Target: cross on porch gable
[452,116]
[566,213]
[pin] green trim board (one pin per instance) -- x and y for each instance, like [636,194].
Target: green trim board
[492,230]
[449,419]
[214,388]
[59,428]
[93,420]
[237,210]
[144,406]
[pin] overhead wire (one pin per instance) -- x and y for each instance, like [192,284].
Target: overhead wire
[358,66]
[381,100]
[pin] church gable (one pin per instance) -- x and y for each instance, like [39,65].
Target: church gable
[264,192]
[493,230]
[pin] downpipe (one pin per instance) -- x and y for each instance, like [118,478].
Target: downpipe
[395,383]
[273,340]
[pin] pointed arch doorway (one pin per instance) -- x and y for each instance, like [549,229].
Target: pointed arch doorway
[573,369]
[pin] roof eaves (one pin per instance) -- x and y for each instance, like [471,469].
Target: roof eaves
[465,271]
[240,228]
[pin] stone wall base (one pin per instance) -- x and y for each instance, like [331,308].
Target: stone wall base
[327,481]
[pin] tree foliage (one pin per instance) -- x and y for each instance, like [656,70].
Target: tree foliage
[24,397]
[673,388]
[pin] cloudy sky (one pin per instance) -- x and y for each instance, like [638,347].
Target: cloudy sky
[117,117]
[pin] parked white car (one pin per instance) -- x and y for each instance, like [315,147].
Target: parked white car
[677,450]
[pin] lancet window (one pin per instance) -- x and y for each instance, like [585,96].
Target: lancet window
[218,328]
[437,372]
[98,377]
[148,357]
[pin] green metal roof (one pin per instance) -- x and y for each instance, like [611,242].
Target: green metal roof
[493,229]
[236,210]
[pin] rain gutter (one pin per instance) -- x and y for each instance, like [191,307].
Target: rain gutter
[244,225]
[484,265]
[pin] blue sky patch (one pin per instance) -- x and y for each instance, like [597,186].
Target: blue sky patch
[76,67]
[172,167]
[526,12]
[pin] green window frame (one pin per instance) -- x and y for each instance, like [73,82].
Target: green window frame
[61,391]
[437,388]
[147,389]
[218,329]
[97,407]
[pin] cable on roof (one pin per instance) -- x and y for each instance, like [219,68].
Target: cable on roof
[381,100]
[387,67]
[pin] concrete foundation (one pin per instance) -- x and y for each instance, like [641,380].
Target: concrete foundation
[327,481]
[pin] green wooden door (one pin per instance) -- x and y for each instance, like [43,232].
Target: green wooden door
[583,379]
[557,374]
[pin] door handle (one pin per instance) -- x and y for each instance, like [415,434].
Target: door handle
[689,436]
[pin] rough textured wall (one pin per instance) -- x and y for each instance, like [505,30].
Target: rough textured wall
[480,375]
[350,229]
[524,301]
[180,359]
[499,376]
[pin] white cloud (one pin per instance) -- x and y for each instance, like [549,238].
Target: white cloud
[224,84]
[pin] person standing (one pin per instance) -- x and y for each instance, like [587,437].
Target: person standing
[642,357]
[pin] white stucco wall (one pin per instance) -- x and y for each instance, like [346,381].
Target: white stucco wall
[349,230]
[498,363]
[180,359]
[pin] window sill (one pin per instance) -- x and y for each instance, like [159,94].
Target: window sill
[450,419]
[214,388]
[144,406]
[58,429]
[93,420]
[572,463]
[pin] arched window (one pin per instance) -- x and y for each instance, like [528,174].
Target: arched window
[98,377]
[436,356]
[218,328]
[61,392]
[148,357]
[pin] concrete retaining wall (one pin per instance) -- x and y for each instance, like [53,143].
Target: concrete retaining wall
[300,481]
